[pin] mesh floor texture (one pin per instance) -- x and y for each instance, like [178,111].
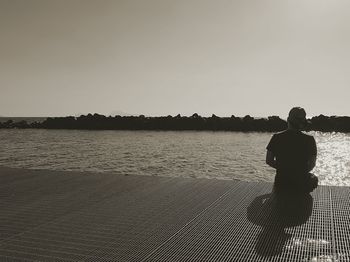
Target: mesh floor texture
[73,216]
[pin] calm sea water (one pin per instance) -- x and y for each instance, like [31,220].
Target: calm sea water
[220,155]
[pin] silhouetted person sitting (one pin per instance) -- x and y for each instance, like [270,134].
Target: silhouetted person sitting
[293,155]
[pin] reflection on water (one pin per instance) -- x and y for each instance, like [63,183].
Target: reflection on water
[333,164]
[222,155]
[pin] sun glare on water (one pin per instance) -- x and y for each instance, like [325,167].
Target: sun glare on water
[333,161]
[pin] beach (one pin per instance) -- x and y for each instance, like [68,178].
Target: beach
[87,216]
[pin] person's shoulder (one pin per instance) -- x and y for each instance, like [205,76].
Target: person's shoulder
[280,134]
[308,138]
[306,135]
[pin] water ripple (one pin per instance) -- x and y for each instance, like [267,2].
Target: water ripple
[221,155]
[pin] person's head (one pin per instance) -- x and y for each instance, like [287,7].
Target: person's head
[296,118]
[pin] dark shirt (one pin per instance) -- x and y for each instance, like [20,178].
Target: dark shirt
[292,149]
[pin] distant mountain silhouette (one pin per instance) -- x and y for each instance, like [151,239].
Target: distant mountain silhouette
[119,113]
[113,113]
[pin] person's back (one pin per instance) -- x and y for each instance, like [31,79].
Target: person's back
[293,154]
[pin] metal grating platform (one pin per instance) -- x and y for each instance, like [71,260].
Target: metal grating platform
[72,216]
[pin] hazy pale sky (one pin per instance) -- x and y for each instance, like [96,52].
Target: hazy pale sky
[160,57]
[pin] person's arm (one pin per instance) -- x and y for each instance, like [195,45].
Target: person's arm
[313,154]
[311,163]
[270,159]
[270,155]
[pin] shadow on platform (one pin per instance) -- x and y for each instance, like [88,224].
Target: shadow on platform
[275,213]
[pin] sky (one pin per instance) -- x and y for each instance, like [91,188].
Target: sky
[169,57]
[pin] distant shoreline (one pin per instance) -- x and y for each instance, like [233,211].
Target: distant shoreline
[18,119]
[175,123]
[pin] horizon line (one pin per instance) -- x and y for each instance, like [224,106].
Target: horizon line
[182,115]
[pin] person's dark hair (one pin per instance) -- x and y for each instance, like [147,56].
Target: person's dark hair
[297,117]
